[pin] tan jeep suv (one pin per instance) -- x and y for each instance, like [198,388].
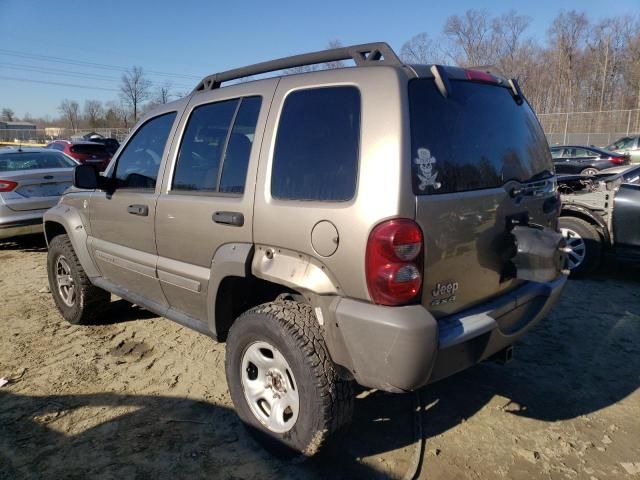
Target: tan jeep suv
[385,224]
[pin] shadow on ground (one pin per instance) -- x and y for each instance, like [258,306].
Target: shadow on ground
[583,358]
[26,243]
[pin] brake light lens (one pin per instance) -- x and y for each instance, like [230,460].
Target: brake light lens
[394,262]
[617,160]
[7,185]
[479,76]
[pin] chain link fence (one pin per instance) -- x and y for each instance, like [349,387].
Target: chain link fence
[44,135]
[590,128]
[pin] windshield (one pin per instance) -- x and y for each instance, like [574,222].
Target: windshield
[11,162]
[478,137]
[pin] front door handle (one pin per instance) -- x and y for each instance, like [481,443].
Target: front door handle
[229,218]
[142,210]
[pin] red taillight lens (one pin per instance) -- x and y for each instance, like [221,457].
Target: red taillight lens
[393,263]
[617,160]
[479,76]
[7,185]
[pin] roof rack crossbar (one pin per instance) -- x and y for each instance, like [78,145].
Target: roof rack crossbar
[378,53]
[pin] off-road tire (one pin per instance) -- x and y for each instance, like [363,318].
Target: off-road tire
[592,241]
[90,300]
[326,401]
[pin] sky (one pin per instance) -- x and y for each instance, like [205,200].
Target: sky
[182,41]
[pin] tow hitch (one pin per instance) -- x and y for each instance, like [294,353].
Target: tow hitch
[502,357]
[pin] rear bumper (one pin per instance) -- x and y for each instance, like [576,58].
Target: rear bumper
[15,228]
[403,348]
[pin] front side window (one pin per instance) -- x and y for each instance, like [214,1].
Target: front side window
[139,162]
[317,145]
[214,155]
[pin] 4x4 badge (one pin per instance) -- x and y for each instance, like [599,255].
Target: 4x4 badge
[447,292]
[428,174]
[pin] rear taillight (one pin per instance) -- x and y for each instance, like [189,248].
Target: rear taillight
[394,260]
[617,160]
[480,76]
[7,185]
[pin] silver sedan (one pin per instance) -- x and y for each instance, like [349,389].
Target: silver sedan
[31,182]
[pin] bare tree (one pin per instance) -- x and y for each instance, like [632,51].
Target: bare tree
[93,112]
[566,36]
[470,38]
[338,63]
[8,115]
[135,89]
[69,110]
[164,93]
[421,49]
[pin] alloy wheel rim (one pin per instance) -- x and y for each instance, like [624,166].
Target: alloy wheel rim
[270,387]
[577,246]
[64,281]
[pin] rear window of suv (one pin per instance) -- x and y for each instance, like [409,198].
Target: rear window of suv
[90,149]
[476,138]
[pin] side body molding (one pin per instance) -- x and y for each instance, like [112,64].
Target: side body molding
[71,219]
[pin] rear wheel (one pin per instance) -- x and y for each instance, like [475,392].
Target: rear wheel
[282,381]
[585,245]
[77,299]
[589,171]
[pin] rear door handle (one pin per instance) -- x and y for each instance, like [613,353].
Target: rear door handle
[229,218]
[142,210]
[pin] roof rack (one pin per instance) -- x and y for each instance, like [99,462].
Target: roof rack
[378,53]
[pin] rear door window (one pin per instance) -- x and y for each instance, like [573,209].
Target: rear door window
[476,138]
[216,146]
[317,145]
[202,147]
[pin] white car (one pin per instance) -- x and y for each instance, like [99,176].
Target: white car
[31,182]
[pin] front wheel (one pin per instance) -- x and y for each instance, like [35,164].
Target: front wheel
[282,381]
[77,299]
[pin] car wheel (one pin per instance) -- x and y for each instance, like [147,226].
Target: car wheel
[77,299]
[585,245]
[589,171]
[282,381]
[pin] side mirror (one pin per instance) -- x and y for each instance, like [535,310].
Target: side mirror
[86,177]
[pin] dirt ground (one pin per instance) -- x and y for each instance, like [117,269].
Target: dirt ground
[141,397]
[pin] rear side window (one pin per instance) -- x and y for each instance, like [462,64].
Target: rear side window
[317,145]
[214,155]
[476,138]
[139,162]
